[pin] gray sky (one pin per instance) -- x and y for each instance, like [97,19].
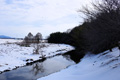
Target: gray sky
[19,17]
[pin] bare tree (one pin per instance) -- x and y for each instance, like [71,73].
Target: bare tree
[38,49]
[38,37]
[28,39]
[102,25]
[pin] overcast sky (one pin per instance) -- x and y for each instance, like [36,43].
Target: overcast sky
[19,17]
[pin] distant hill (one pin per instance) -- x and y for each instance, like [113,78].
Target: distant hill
[5,37]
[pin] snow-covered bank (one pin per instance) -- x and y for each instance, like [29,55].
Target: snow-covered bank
[104,66]
[13,56]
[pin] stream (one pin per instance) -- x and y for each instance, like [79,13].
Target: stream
[40,69]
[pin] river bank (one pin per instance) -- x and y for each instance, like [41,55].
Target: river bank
[13,56]
[103,66]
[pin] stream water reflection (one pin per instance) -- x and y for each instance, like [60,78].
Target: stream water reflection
[38,69]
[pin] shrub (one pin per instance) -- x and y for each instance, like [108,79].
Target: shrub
[59,37]
[77,37]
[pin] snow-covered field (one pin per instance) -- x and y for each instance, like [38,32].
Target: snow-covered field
[104,66]
[13,56]
[9,41]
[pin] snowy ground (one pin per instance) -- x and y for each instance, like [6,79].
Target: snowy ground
[104,66]
[9,41]
[13,56]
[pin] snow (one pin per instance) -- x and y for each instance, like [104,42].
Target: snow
[9,41]
[13,55]
[104,66]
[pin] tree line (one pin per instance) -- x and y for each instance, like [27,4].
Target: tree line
[100,30]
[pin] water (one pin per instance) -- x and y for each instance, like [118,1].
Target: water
[39,69]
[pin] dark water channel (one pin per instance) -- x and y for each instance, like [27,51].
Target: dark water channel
[40,69]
